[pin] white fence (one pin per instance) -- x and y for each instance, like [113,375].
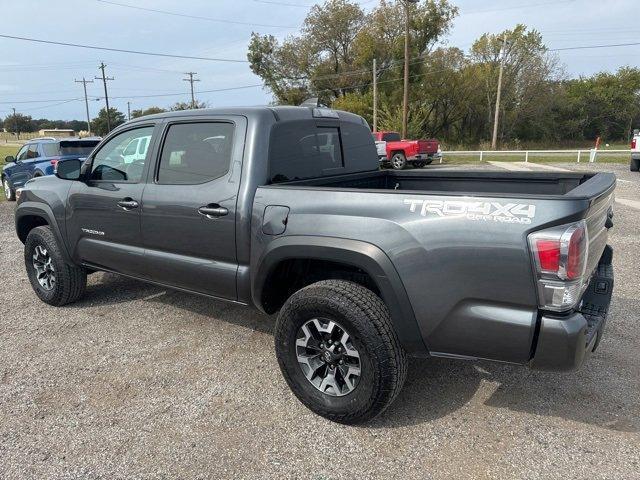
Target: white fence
[589,155]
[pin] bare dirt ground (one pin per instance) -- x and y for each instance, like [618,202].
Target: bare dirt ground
[135,381]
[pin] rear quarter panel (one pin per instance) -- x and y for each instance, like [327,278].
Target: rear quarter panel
[469,280]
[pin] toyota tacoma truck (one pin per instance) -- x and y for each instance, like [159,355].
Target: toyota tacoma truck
[284,209]
[393,150]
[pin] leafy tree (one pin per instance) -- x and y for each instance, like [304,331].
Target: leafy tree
[147,111]
[187,106]
[338,41]
[99,124]
[18,123]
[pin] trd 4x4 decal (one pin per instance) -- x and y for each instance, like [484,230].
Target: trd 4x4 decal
[480,211]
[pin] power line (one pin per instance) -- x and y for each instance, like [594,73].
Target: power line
[120,50]
[197,17]
[585,47]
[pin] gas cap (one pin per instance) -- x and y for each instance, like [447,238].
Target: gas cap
[274,220]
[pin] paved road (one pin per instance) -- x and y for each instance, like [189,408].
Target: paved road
[138,382]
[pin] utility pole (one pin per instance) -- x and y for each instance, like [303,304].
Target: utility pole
[375,96]
[494,139]
[104,79]
[191,80]
[128,110]
[15,123]
[405,98]
[86,101]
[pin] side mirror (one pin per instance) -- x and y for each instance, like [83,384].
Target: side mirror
[9,159]
[69,169]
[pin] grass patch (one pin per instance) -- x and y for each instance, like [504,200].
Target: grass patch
[534,158]
[8,150]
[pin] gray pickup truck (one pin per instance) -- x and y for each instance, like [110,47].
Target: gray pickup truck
[284,209]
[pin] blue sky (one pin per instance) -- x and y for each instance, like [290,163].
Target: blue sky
[31,71]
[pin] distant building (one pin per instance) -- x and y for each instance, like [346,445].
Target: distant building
[57,132]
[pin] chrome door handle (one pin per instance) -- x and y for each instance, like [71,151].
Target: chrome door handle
[213,211]
[127,204]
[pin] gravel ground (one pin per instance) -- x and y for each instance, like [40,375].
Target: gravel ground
[137,382]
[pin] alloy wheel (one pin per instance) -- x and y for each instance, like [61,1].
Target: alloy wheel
[7,189]
[43,265]
[327,357]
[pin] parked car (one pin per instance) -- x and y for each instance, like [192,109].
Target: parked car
[284,209]
[635,152]
[39,157]
[399,153]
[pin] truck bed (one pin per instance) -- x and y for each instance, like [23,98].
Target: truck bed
[466,182]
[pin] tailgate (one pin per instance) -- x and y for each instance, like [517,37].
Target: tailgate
[599,191]
[427,146]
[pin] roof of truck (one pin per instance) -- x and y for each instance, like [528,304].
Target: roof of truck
[281,113]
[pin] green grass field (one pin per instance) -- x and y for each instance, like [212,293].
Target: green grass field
[534,158]
[8,150]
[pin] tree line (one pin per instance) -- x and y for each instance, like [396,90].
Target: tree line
[19,123]
[452,92]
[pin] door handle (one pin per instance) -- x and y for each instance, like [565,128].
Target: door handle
[127,204]
[213,211]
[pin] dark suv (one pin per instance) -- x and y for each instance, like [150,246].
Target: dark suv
[39,157]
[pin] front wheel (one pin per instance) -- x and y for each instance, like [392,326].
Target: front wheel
[9,193]
[338,351]
[398,161]
[54,281]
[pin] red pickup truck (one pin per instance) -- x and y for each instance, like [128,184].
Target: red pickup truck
[399,153]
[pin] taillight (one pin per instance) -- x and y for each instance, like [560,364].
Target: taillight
[560,258]
[633,144]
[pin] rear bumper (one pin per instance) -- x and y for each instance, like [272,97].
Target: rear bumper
[564,343]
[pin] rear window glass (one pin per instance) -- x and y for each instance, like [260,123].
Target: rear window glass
[303,149]
[81,149]
[391,137]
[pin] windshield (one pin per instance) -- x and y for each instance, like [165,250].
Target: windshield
[78,148]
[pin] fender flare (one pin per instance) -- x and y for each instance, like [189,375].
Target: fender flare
[363,255]
[42,210]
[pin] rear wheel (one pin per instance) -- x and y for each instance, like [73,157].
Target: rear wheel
[419,164]
[9,192]
[398,161]
[635,164]
[338,351]
[54,281]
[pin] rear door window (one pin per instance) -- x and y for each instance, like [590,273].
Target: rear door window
[50,149]
[195,153]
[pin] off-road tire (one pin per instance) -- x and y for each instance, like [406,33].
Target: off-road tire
[398,161]
[8,191]
[70,281]
[364,315]
[634,165]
